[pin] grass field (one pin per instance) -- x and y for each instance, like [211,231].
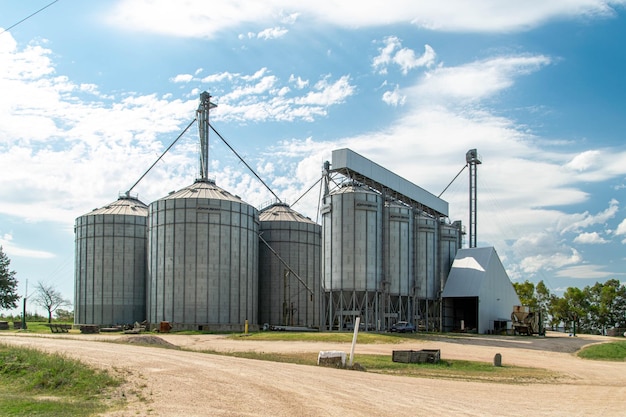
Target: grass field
[33,383]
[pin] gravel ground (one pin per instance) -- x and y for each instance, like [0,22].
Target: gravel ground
[172,382]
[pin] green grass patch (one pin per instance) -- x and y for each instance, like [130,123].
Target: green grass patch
[448,369]
[37,327]
[611,351]
[33,383]
[333,337]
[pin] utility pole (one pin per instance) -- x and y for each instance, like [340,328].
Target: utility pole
[24,307]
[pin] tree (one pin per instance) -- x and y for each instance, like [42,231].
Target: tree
[607,304]
[64,315]
[578,309]
[8,283]
[545,299]
[48,297]
[526,293]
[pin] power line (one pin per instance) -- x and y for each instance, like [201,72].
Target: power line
[27,17]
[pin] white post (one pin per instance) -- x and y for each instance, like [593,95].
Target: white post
[357,323]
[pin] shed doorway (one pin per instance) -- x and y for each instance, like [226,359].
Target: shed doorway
[460,314]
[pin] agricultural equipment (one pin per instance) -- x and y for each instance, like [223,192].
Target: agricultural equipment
[526,321]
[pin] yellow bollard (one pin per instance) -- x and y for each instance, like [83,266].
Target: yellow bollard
[246,327]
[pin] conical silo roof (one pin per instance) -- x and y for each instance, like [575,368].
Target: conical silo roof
[282,212]
[203,189]
[124,205]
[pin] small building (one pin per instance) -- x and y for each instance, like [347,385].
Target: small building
[478,296]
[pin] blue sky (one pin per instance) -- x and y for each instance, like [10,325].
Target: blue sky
[93,92]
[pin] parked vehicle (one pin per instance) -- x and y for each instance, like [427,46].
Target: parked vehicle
[403,327]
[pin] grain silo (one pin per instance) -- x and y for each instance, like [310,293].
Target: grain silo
[203,259]
[289,268]
[110,259]
[352,252]
[450,242]
[427,256]
[382,258]
[398,263]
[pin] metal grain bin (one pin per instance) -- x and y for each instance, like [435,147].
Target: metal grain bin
[352,255]
[427,257]
[450,242]
[398,262]
[110,259]
[293,245]
[203,259]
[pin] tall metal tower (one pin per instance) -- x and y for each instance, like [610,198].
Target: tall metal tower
[473,160]
[203,128]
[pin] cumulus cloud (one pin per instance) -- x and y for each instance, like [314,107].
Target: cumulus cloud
[584,160]
[394,97]
[392,52]
[592,238]
[272,33]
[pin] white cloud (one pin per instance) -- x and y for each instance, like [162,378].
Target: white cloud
[272,33]
[478,80]
[13,250]
[182,78]
[584,272]
[299,82]
[584,160]
[533,264]
[394,98]
[621,230]
[592,238]
[576,222]
[194,19]
[393,53]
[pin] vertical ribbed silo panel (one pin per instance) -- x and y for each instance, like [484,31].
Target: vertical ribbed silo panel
[91,271]
[201,268]
[234,277]
[251,271]
[151,272]
[167,241]
[179,244]
[224,268]
[139,242]
[155,277]
[79,274]
[213,266]
[100,269]
[195,242]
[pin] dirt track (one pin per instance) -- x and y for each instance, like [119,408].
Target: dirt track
[181,383]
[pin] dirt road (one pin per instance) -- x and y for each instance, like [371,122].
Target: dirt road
[165,382]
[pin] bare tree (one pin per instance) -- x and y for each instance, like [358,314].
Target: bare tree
[48,297]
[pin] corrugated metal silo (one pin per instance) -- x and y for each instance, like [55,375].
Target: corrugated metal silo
[203,259]
[426,257]
[110,264]
[398,260]
[450,242]
[352,252]
[296,241]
